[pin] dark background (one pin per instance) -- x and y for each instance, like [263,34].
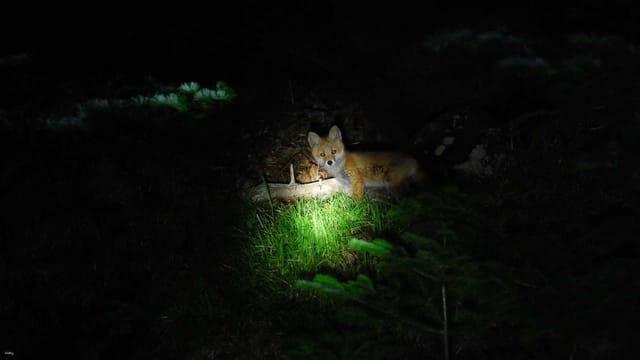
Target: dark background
[101,233]
[252,39]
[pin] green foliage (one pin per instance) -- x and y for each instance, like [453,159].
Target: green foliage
[473,42]
[403,293]
[377,247]
[190,95]
[311,235]
[189,88]
[176,101]
[189,99]
[502,293]
[361,286]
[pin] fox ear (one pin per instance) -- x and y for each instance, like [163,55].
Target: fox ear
[313,138]
[335,134]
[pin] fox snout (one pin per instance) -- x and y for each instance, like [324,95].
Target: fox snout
[327,163]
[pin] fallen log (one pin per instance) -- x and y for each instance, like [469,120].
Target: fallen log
[294,191]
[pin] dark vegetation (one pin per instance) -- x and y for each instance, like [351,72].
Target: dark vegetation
[127,236]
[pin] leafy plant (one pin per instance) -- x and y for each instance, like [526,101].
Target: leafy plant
[189,88]
[176,101]
[222,92]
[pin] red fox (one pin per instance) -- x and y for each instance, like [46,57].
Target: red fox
[357,170]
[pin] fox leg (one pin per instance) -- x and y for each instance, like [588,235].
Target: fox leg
[357,184]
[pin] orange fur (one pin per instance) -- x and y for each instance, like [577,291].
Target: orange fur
[359,170]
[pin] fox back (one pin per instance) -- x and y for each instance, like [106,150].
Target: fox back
[357,170]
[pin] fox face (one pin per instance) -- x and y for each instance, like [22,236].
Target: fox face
[328,152]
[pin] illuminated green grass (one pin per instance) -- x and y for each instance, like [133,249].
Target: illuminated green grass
[291,240]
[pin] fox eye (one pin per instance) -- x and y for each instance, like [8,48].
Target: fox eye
[322,154]
[333,151]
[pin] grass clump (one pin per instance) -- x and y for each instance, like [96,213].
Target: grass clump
[312,235]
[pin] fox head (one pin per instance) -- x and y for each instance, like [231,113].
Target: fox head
[328,151]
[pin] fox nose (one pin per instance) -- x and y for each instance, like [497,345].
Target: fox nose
[330,162]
